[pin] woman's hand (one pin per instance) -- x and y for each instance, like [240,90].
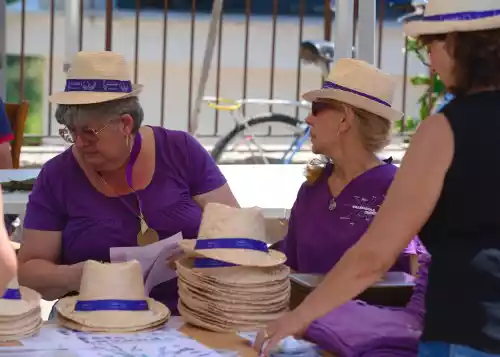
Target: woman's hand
[291,324]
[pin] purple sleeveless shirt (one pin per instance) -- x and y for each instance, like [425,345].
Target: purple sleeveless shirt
[63,199]
[318,237]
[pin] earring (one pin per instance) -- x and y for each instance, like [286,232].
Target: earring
[127,142]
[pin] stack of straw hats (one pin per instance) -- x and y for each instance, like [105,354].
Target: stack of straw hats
[230,280]
[111,299]
[20,313]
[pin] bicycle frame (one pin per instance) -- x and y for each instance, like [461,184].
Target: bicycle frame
[239,119]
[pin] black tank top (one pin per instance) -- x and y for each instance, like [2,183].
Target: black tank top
[463,232]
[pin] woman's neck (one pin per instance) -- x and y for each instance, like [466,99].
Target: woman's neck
[350,166]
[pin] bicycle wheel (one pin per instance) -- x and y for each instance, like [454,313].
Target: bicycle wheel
[272,118]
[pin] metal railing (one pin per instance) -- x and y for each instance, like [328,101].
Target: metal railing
[246,20]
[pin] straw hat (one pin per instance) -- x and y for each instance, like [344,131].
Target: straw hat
[236,236]
[361,85]
[96,77]
[444,16]
[111,299]
[20,313]
[232,298]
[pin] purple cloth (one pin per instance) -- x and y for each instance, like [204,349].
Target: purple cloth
[317,237]
[63,199]
[357,329]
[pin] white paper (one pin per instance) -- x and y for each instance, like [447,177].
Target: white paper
[52,338]
[153,259]
[162,343]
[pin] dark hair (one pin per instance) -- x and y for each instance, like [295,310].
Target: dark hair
[476,56]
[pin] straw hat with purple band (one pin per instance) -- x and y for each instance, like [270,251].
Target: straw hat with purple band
[20,312]
[96,77]
[445,16]
[231,236]
[18,300]
[361,85]
[111,299]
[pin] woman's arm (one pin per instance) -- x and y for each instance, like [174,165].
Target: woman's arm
[222,195]
[8,262]
[410,201]
[38,268]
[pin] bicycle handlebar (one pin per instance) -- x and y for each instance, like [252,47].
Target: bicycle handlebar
[224,104]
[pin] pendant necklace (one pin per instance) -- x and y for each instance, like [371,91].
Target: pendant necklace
[333,204]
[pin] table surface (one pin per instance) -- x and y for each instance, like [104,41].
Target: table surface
[214,340]
[271,187]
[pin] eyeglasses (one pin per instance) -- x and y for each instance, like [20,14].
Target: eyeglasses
[86,134]
[318,107]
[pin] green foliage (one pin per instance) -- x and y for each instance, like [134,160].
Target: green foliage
[33,89]
[435,87]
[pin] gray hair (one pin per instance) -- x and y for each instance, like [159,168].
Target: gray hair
[69,114]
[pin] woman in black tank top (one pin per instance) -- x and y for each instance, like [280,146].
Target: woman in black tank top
[447,191]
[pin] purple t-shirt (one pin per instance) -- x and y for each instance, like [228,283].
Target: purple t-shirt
[318,237]
[63,199]
[357,329]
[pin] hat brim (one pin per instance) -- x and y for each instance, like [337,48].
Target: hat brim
[76,98]
[423,27]
[356,101]
[243,257]
[109,320]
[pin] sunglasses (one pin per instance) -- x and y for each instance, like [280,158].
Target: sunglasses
[87,134]
[318,107]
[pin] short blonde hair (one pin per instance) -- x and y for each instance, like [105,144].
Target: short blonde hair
[375,133]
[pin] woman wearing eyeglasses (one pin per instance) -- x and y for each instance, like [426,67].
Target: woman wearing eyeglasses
[120,184]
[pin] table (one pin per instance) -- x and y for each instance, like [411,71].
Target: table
[271,187]
[213,340]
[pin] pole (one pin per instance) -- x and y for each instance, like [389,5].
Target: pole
[207,63]
[72,31]
[344,28]
[3,47]
[367,30]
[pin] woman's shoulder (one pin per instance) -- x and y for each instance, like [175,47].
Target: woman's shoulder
[60,166]
[171,137]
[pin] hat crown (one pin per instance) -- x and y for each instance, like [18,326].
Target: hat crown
[99,65]
[440,7]
[364,78]
[13,284]
[110,281]
[221,221]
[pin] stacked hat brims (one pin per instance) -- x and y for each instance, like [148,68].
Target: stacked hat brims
[20,313]
[232,284]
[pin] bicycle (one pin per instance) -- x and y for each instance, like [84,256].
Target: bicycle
[229,143]
[319,53]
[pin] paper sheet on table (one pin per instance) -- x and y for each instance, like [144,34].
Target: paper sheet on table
[153,259]
[161,343]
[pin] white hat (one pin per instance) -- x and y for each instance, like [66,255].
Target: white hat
[361,85]
[96,77]
[445,16]
[20,313]
[232,235]
[112,299]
